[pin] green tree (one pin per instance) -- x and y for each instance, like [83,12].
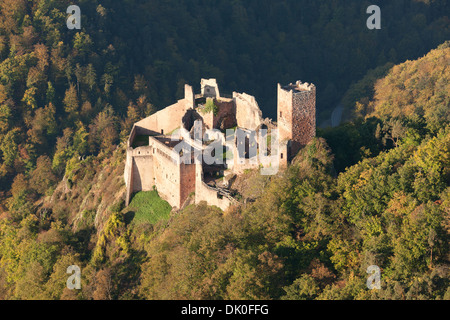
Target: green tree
[5,118]
[30,97]
[80,140]
[9,146]
[42,178]
[71,103]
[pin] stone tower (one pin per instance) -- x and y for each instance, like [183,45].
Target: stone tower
[296,117]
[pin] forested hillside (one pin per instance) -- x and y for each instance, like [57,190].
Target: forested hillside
[311,233]
[84,88]
[373,191]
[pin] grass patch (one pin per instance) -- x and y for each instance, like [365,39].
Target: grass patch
[210,106]
[147,206]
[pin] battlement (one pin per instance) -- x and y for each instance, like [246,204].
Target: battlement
[299,87]
[154,155]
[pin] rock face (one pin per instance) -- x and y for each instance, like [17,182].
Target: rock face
[159,162]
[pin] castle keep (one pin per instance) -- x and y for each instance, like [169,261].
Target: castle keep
[163,149]
[296,115]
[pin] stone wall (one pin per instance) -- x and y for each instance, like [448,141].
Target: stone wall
[159,165]
[187,179]
[240,162]
[304,116]
[166,120]
[142,169]
[167,173]
[189,97]
[284,105]
[128,175]
[248,114]
[209,88]
[204,193]
[138,171]
[208,119]
[283,154]
[296,115]
[226,116]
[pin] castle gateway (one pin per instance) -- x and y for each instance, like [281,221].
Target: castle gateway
[164,150]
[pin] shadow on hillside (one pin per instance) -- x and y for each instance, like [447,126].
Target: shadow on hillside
[129,216]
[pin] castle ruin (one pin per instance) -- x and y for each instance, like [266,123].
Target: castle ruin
[157,146]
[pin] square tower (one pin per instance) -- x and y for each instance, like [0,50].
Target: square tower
[210,89]
[296,116]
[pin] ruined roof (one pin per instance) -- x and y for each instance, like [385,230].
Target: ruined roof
[298,86]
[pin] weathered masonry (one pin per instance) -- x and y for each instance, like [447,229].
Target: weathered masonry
[154,159]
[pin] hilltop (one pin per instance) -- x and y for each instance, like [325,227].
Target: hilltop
[382,198]
[417,88]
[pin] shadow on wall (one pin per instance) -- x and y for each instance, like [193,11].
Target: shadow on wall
[189,119]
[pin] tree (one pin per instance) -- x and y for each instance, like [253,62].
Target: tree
[20,204]
[210,106]
[393,130]
[30,97]
[64,151]
[71,103]
[5,118]
[43,125]
[86,110]
[304,288]
[42,55]
[90,76]
[103,285]
[82,43]
[102,132]
[9,146]
[80,140]
[50,94]
[31,285]
[42,178]
[56,286]
[140,85]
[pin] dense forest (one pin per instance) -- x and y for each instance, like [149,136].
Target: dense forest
[372,191]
